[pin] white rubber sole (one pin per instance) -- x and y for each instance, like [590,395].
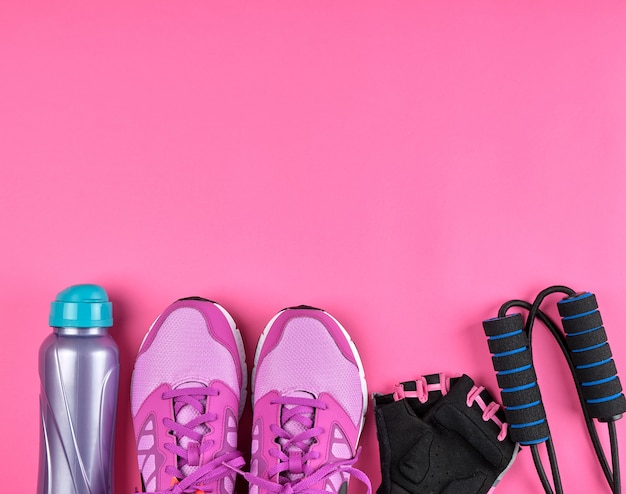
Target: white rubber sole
[355,352]
[242,357]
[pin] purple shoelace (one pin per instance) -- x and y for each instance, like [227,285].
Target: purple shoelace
[295,436]
[199,477]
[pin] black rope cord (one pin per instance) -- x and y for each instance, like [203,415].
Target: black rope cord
[590,362]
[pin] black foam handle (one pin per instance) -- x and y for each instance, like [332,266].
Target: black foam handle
[512,360]
[588,346]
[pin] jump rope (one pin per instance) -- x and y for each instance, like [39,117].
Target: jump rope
[584,344]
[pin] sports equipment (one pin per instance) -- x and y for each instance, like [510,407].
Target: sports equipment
[187,393]
[309,402]
[441,435]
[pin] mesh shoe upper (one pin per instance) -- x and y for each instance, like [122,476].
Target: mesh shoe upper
[309,403]
[187,392]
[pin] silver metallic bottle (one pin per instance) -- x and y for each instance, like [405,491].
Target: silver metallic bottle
[79,372]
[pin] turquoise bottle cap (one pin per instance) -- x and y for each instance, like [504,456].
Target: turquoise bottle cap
[81,306]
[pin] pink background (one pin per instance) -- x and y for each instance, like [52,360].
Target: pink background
[407,166]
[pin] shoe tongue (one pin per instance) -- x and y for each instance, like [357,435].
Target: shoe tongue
[184,416]
[293,427]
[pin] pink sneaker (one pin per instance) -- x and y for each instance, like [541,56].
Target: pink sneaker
[309,402]
[187,394]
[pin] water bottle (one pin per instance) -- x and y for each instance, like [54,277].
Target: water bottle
[79,372]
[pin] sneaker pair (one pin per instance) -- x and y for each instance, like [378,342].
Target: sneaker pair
[189,389]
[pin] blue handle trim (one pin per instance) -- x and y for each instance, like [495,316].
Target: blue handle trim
[536,441]
[574,299]
[513,371]
[511,352]
[599,381]
[576,316]
[527,424]
[519,388]
[593,347]
[595,364]
[602,400]
[528,405]
[583,332]
[505,335]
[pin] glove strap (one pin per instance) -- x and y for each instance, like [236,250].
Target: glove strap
[422,386]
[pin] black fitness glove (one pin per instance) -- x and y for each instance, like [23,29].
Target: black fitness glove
[441,436]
